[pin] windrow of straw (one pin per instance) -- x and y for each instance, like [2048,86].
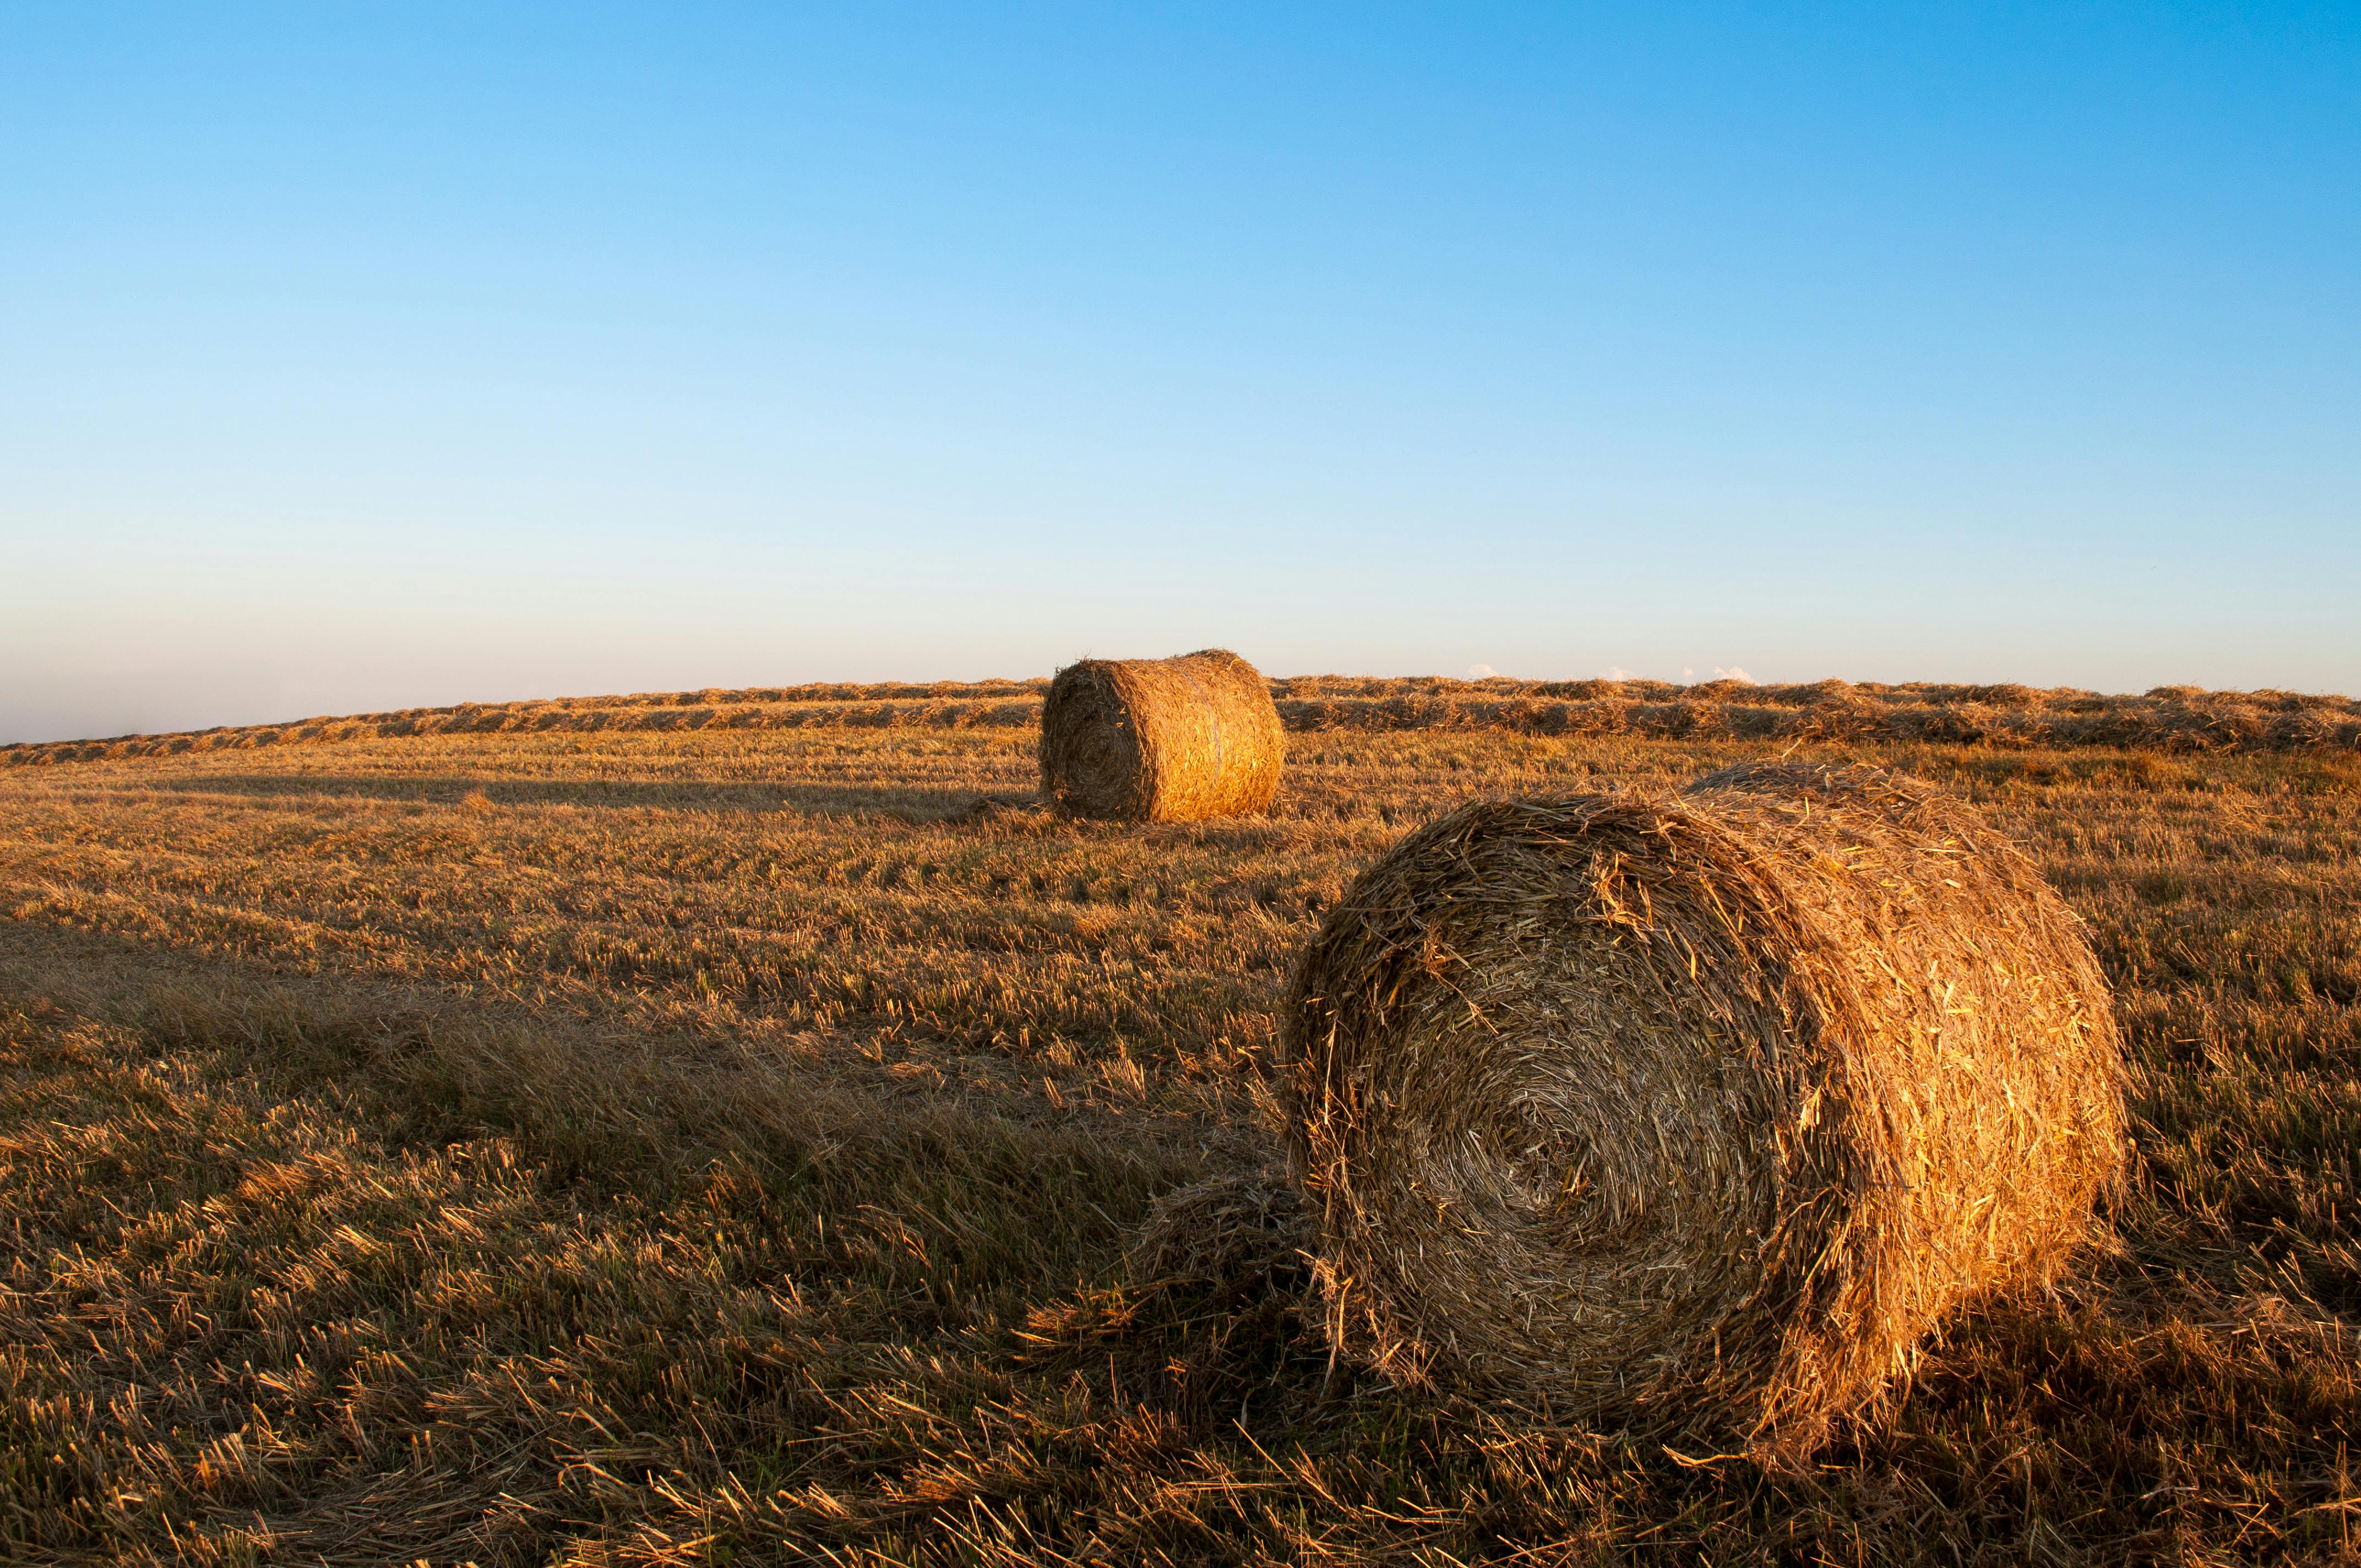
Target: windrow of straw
[1695,1114]
[2205,722]
[1180,740]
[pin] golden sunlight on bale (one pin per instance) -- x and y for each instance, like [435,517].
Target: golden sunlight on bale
[1694,1113]
[1175,740]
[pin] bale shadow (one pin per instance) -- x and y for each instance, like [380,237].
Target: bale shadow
[913,803]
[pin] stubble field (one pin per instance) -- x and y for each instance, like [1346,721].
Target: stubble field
[722,1145]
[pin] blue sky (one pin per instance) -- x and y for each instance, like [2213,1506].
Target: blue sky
[361,357]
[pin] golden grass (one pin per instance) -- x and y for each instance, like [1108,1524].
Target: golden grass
[733,1145]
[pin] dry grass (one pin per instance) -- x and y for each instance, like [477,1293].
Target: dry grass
[727,1147]
[1181,739]
[2013,717]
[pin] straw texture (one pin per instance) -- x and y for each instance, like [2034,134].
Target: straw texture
[1695,1114]
[1179,739]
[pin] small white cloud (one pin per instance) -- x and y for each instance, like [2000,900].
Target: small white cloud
[1687,675]
[1732,673]
[1481,672]
[1616,672]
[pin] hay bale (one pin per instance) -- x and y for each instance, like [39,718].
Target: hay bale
[1161,740]
[1694,1113]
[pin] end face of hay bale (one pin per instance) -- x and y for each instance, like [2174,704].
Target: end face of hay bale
[1695,1114]
[1179,739]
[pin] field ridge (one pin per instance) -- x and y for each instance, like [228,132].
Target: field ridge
[2180,719]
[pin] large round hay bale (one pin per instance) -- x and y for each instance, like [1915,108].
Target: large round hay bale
[1693,1114]
[1176,740]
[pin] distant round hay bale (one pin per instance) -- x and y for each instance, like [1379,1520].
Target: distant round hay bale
[1175,740]
[1693,1114]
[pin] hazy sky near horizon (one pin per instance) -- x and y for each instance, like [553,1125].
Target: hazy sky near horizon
[362,356]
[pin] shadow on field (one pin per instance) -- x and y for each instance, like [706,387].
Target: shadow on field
[616,1104]
[687,1245]
[907,803]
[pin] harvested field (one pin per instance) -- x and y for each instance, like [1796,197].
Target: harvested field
[667,1143]
[2006,717]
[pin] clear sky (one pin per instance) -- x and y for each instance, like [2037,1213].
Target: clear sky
[359,356]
